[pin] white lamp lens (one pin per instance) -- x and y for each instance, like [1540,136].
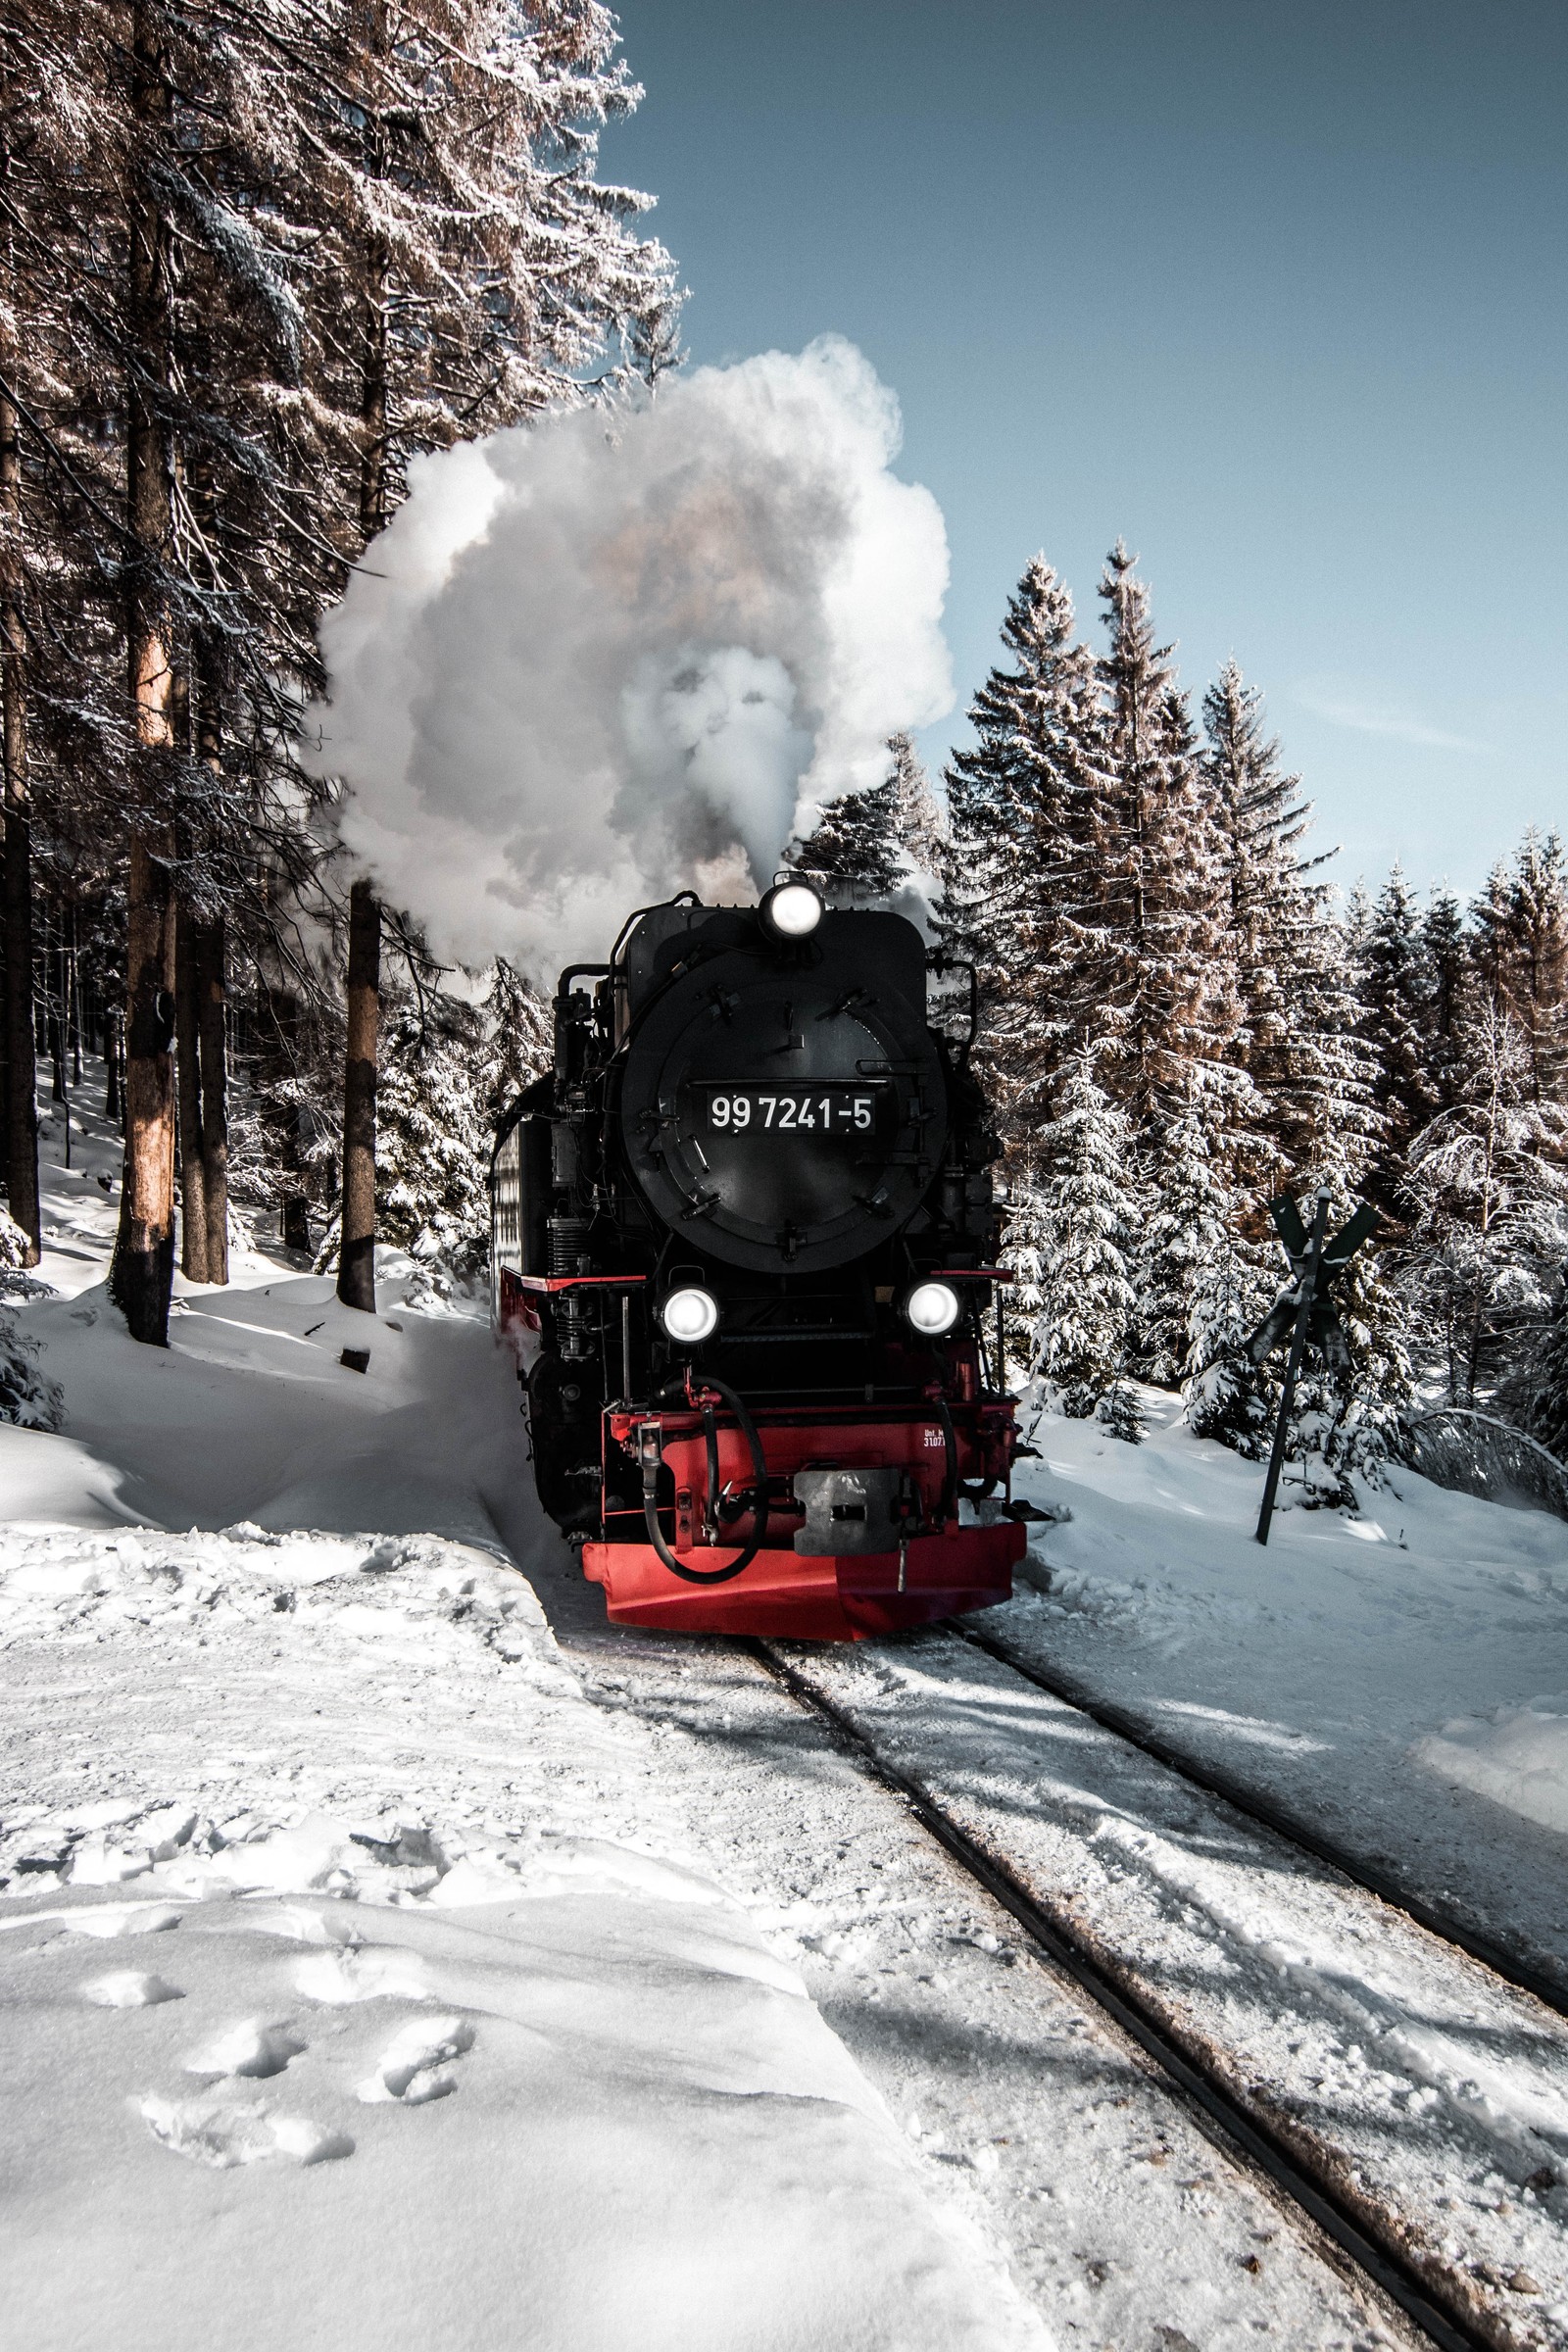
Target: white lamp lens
[932,1308]
[689,1315]
[793,910]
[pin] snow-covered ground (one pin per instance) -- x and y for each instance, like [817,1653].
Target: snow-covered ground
[1436,2095]
[1395,1679]
[391,1956]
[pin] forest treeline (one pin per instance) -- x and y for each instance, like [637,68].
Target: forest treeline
[1179,1021]
[253,259]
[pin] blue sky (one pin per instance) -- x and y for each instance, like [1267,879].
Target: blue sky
[1275,294]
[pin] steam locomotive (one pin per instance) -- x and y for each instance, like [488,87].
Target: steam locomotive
[747,1217]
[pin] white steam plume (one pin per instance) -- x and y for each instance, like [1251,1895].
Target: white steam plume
[598,658]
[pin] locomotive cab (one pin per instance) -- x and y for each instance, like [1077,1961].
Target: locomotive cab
[748,1217]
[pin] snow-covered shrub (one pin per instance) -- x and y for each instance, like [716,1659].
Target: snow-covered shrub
[28,1397]
[1119,1412]
[15,1250]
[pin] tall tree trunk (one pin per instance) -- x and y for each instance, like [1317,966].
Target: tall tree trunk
[113,1107]
[21,1116]
[142,1271]
[281,1061]
[187,1070]
[356,1265]
[373,293]
[207,943]
[212,1006]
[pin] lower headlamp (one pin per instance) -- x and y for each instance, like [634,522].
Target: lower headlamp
[932,1308]
[689,1316]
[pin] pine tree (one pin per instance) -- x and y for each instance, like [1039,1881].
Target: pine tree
[1447,960]
[1153,964]
[1202,1284]
[871,845]
[1397,994]
[1089,1216]
[920,827]
[1024,1240]
[1521,954]
[1296,1011]
[1542,1406]
[1488,1193]
[1017,869]
[854,852]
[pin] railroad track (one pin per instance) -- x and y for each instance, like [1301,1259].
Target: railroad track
[1438,2293]
[1215,1781]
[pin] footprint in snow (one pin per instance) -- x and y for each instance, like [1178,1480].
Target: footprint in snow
[120,1919]
[414,2066]
[249,2048]
[218,2133]
[340,1977]
[130,1988]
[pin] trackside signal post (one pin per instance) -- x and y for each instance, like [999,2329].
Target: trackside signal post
[1304,1311]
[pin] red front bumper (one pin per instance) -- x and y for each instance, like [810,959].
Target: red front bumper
[811,1598]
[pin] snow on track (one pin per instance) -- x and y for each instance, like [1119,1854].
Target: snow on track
[1434,2095]
[1378,1673]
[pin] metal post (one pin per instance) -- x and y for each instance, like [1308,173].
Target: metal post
[1303,1316]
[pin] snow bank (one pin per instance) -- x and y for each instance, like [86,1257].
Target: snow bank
[1329,1667]
[1517,1755]
[346,1954]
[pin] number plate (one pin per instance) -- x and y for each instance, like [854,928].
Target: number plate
[836,1107]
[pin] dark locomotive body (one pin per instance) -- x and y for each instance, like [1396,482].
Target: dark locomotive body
[767,1126]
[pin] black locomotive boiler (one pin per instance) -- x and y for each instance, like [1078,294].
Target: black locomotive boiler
[748,1215]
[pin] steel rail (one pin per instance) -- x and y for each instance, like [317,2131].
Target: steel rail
[1215,1781]
[1213,2107]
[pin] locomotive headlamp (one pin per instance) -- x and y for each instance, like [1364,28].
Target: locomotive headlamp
[689,1315]
[791,909]
[932,1308]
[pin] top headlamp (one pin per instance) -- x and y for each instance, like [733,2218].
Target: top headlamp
[791,909]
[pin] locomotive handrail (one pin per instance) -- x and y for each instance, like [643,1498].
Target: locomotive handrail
[551,1283]
[688,897]
[577,971]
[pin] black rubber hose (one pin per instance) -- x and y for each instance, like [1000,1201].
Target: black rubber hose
[655,1534]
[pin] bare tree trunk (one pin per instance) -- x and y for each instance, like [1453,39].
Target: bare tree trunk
[113,1107]
[143,1265]
[22,1076]
[281,1061]
[212,1006]
[356,1265]
[187,1070]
